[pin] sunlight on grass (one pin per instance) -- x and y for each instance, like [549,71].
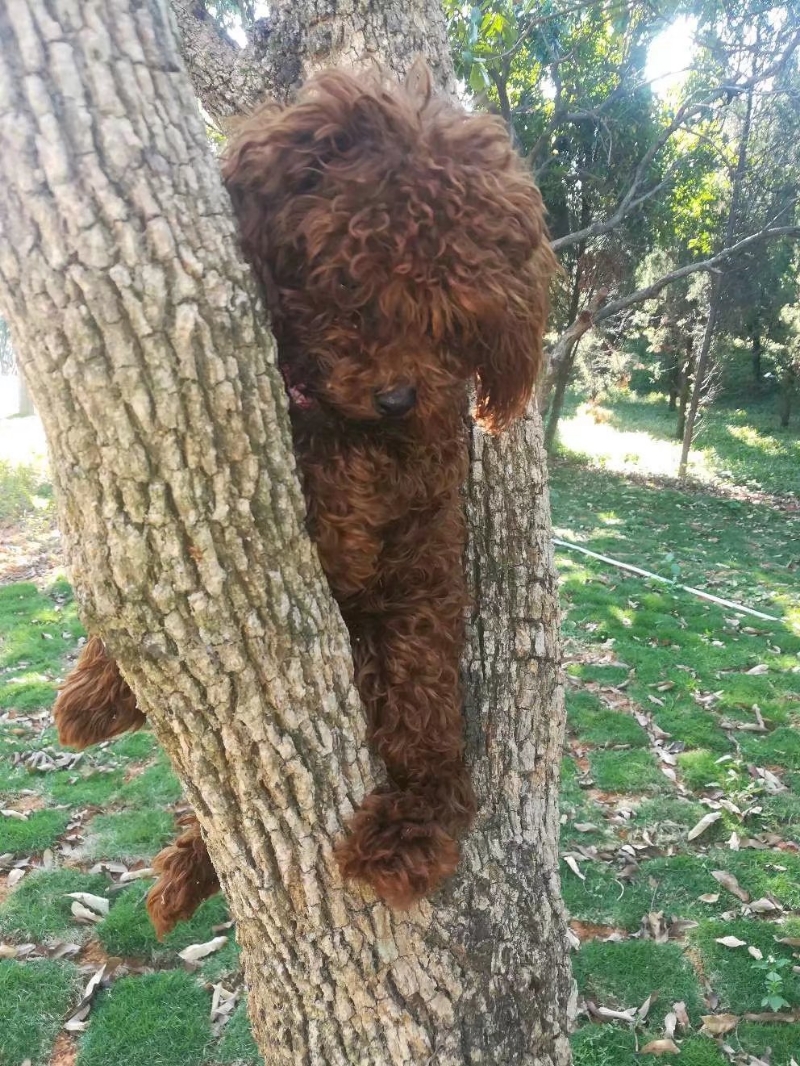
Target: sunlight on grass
[765,442]
[628,433]
[625,450]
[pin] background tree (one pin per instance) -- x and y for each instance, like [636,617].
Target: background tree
[624,171]
[140,332]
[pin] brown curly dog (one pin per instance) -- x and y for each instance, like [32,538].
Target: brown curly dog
[401,246]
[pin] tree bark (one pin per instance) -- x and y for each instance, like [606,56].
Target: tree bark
[301,37]
[686,378]
[562,360]
[24,399]
[787,394]
[145,347]
[756,349]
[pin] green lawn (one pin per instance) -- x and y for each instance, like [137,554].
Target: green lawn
[653,671]
[677,709]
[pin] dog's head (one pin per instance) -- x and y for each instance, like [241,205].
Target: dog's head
[402,246]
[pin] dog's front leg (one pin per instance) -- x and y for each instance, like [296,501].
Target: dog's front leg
[407,647]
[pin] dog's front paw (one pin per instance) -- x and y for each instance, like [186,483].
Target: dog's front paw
[396,845]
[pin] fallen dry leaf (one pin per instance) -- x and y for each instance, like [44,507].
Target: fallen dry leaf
[729,882]
[195,952]
[95,903]
[660,1047]
[682,1014]
[755,952]
[705,823]
[644,1010]
[606,1014]
[573,865]
[84,914]
[709,897]
[730,941]
[719,1024]
[763,906]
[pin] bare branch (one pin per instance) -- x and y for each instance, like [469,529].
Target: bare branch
[710,264]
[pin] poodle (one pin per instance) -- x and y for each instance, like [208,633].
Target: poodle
[401,246]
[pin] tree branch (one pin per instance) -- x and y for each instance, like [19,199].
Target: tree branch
[688,110]
[650,291]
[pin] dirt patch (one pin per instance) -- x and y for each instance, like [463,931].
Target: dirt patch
[65,1051]
[93,954]
[590,931]
[27,555]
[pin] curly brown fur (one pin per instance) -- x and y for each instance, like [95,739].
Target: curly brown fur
[401,246]
[186,879]
[401,243]
[95,702]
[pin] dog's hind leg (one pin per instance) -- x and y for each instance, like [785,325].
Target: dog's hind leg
[95,702]
[186,879]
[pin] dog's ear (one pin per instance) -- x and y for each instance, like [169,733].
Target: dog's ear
[509,353]
[503,292]
[339,127]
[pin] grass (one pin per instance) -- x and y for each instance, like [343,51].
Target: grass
[130,834]
[637,647]
[154,1020]
[738,443]
[34,998]
[237,1044]
[39,909]
[624,974]
[127,930]
[38,831]
[733,972]
[645,662]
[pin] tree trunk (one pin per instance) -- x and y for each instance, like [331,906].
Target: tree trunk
[560,385]
[139,330]
[786,395]
[301,37]
[686,378]
[562,360]
[674,372]
[756,350]
[24,400]
[704,359]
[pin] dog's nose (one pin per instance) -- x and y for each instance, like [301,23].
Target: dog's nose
[397,401]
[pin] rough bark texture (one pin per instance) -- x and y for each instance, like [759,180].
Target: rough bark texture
[147,356]
[299,38]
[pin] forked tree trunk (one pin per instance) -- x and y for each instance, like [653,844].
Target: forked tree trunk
[145,347]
